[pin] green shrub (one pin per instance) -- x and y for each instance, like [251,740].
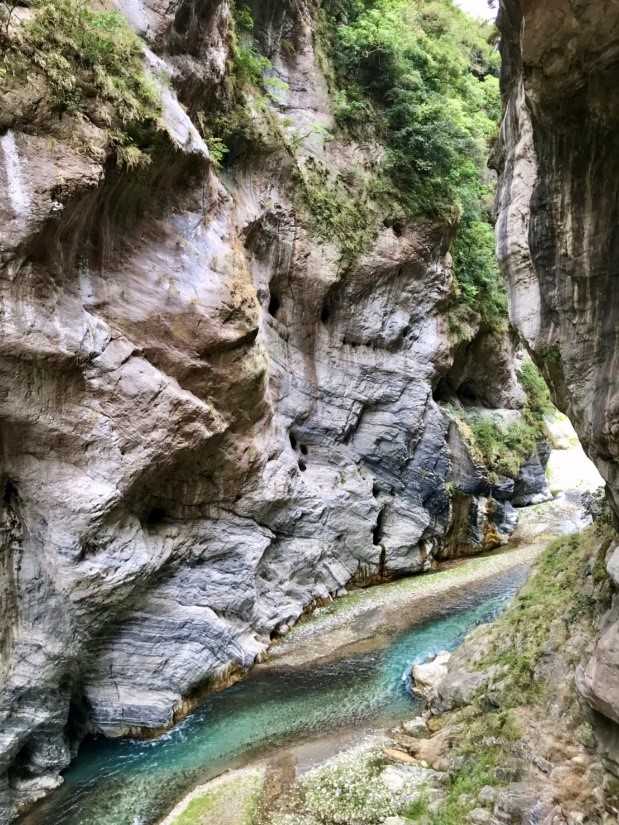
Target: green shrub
[479,287]
[417,807]
[420,77]
[504,449]
[538,394]
[340,210]
[477,771]
[92,64]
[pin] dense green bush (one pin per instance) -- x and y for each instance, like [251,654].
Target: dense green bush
[504,448]
[92,64]
[538,394]
[421,77]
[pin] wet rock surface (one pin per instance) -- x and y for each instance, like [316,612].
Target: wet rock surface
[427,676]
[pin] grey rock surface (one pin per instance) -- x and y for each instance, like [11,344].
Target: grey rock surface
[531,486]
[428,675]
[208,423]
[557,216]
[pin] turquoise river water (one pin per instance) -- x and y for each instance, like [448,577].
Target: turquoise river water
[131,782]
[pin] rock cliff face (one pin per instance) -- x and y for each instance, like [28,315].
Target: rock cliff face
[208,422]
[558,211]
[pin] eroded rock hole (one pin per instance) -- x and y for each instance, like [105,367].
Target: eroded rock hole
[20,769]
[443,390]
[76,727]
[398,227]
[293,441]
[10,493]
[274,305]
[156,516]
[325,314]
[302,465]
[377,530]
[303,449]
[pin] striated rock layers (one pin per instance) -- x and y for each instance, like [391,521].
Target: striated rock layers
[208,422]
[558,239]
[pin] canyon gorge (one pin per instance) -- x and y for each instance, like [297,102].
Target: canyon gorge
[240,374]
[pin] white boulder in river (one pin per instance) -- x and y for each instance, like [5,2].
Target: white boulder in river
[427,676]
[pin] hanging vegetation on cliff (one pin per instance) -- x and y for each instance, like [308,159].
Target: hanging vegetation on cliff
[421,77]
[83,63]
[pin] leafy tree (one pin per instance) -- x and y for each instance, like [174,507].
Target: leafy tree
[422,77]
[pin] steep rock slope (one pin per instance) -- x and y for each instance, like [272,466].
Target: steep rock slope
[558,211]
[210,420]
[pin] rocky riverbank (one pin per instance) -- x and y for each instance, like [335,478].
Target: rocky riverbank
[498,742]
[365,618]
[504,738]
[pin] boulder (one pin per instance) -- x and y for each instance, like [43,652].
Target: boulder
[426,677]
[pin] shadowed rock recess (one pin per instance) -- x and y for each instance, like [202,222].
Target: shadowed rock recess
[211,418]
[558,242]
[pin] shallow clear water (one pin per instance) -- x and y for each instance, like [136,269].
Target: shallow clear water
[131,782]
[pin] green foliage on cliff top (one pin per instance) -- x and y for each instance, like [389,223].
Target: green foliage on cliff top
[239,121]
[92,66]
[421,77]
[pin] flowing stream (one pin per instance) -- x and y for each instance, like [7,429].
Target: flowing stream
[131,782]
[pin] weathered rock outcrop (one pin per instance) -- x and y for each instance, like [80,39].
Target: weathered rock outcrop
[208,422]
[558,213]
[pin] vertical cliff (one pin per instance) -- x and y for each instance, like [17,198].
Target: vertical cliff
[226,393]
[557,219]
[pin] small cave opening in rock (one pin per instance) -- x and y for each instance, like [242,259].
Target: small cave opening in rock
[156,516]
[20,768]
[443,390]
[377,530]
[375,489]
[76,727]
[274,305]
[293,441]
[10,493]
[325,314]
[398,227]
[303,449]
[302,465]
[184,17]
